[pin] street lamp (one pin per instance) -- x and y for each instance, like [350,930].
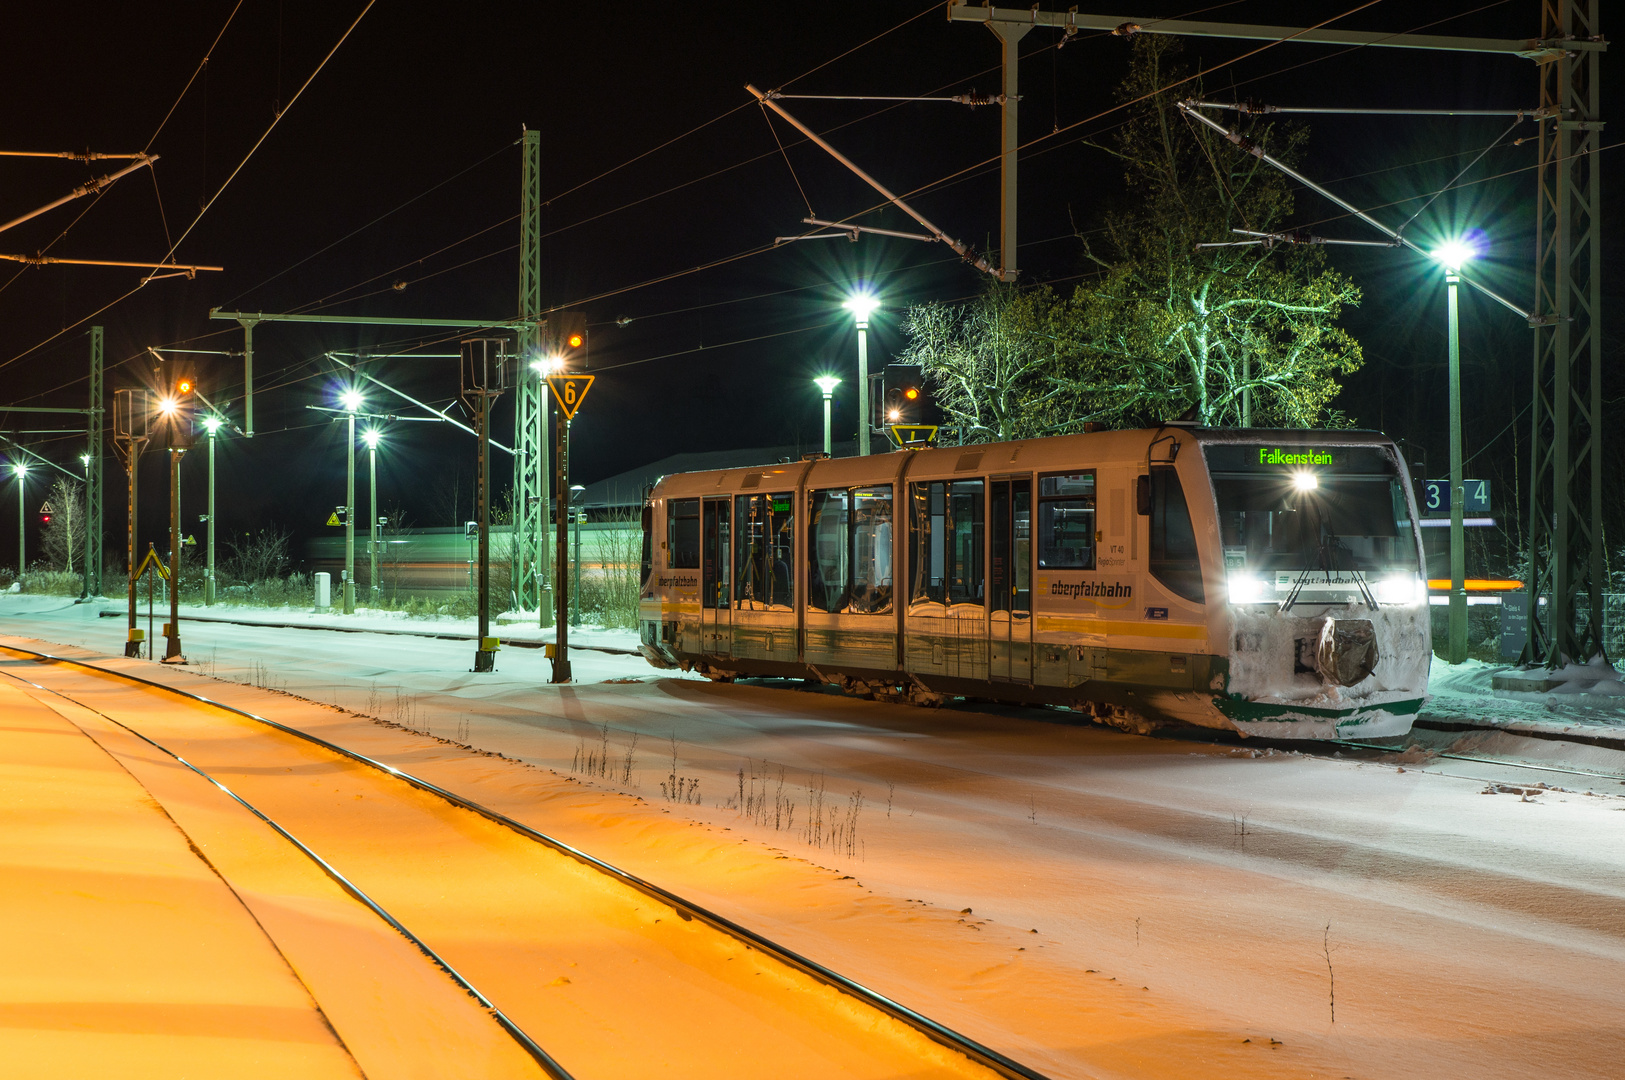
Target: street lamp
[827,383]
[575,516]
[370,437]
[211,424]
[21,469]
[351,400]
[862,305]
[1453,255]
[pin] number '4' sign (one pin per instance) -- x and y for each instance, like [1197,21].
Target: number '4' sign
[569,390]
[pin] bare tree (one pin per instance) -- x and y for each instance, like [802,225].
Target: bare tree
[63,540]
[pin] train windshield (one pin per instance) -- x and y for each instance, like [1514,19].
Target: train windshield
[1324,524]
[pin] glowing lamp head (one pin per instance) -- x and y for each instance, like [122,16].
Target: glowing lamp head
[861,305]
[167,406]
[912,393]
[1454,254]
[894,414]
[827,383]
[547,365]
[574,341]
[1305,481]
[20,468]
[351,400]
[211,424]
[84,459]
[184,386]
[370,437]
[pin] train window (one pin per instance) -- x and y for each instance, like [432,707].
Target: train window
[716,576]
[1066,521]
[683,534]
[646,567]
[765,551]
[1173,540]
[827,550]
[945,556]
[871,556]
[849,539]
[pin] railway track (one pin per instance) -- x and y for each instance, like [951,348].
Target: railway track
[587,970]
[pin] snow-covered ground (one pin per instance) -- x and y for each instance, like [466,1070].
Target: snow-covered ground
[1094,903]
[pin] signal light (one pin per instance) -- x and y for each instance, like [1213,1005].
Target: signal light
[570,330]
[904,398]
[178,410]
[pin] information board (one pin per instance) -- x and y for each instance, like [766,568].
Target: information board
[1436,497]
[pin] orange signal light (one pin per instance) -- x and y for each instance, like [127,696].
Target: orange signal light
[184,386]
[911,393]
[575,341]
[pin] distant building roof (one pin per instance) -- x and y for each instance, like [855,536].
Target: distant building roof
[626,489]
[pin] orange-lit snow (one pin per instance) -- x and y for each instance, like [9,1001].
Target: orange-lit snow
[1182,893]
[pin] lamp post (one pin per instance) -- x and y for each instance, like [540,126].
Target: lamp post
[862,305]
[84,556]
[370,436]
[1452,255]
[212,425]
[827,383]
[351,400]
[21,469]
[575,521]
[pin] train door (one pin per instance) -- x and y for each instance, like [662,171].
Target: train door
[1010,627]
[716,576]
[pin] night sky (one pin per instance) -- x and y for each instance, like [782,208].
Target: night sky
[391,187]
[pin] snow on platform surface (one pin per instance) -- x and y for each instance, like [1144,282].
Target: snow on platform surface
[121,952]
[1199,909]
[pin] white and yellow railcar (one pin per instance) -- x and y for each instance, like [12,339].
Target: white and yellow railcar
[1266,581]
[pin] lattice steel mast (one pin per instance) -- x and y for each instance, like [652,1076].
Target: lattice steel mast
[531,554]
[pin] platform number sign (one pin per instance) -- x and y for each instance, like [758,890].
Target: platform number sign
[1436,497]
[569,390]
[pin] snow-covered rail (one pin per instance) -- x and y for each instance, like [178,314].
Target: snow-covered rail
[495,902]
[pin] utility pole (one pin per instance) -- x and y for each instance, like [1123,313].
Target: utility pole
[1009,35]
[484,366]
[1457,651]
[248,322]
[172,631]
[569,390]
[131,417]
[349,508]
[93,473]
[213,426]
[371,436]
[1566,469]
[561,618]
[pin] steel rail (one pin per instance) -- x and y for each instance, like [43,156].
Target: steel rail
[936,1032]
[542,1058]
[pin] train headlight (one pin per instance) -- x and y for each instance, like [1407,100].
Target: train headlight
[1250,589]
[1401,589]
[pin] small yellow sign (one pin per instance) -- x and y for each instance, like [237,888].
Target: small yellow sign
[333,518]
[914,434]
[569,390]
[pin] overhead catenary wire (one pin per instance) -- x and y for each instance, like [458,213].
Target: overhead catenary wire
[751,252]
[213,199]
[154,138]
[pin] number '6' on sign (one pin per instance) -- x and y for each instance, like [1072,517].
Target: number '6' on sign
[569,391]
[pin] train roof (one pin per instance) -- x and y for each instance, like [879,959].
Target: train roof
[992,458]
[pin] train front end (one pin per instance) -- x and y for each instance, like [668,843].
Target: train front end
[1328,628]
